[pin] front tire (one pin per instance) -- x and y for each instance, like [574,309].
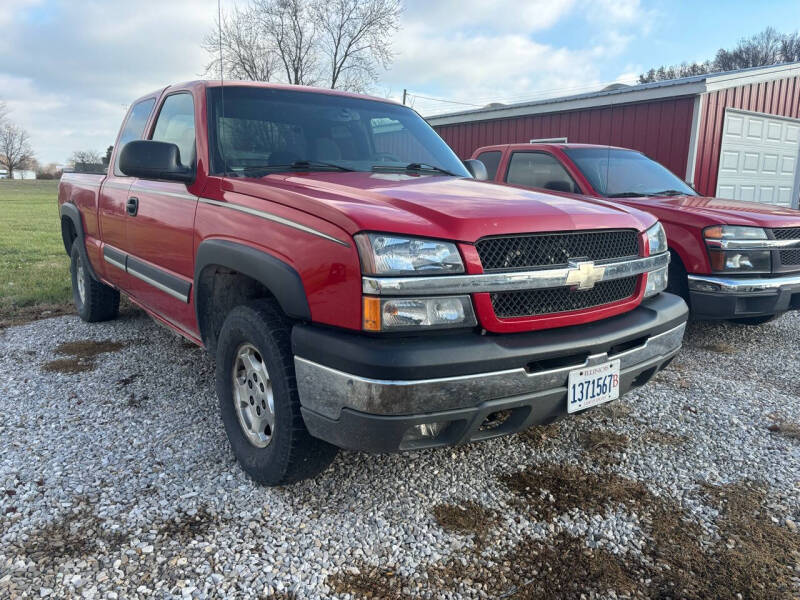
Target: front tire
[258,399]
[93,300]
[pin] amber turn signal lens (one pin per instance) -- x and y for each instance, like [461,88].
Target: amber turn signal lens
[372,314]
[713,233]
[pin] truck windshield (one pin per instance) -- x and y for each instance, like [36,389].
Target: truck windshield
[257,131]
[617,173]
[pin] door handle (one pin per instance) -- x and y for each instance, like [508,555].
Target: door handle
[132,206]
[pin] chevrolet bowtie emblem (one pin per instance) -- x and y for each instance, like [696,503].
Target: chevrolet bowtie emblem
[584,274]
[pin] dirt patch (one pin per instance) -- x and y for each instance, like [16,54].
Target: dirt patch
[549,490]
[537,436]
[465,517]
[615,410]
[787,429]
[11,317]
[184,526]
[754,556]
[718,348]
[365,581]
[78,533]
[126,381]
[68,366]
[82,355]
[665,438]
[604,446]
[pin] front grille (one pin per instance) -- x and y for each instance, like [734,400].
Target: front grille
[555,249]
[787,233]
[790,257]
[525,303]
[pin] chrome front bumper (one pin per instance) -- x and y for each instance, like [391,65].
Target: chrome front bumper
[750,285]
[327,391]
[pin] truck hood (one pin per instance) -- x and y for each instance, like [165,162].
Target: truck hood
[436,206]
[706,211]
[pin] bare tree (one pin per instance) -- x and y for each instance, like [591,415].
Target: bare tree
[15,148]
[761,49]
[239,48]
[355,38]
[305,42]
[85,157]
[790,47]
[766,48]
[3,112]
[289,27]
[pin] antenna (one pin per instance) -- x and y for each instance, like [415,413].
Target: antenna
[221,123]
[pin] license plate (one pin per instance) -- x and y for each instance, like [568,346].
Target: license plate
[592,386]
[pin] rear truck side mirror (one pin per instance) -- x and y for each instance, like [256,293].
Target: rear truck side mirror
[149,159]
[477,169]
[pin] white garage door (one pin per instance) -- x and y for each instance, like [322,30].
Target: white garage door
[758,160]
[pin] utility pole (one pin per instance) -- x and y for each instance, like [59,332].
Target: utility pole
[405,93]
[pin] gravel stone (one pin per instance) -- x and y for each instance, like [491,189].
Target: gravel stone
[118,482]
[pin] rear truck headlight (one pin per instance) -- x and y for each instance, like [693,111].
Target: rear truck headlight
[721,241]
[656,282]
[398,314]
[657,239]
[389,254]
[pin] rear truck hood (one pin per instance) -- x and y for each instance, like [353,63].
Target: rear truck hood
[436,206]
[717,211]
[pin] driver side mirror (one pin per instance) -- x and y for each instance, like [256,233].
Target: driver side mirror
[477,169]
[149,159]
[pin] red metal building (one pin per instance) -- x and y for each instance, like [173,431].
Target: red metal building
[732,135]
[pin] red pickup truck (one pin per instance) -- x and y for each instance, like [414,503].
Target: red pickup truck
[730,259]
[357,285]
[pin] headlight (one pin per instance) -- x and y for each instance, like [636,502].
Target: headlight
[657,239]
[726,257]
[656,282]
[397,314]
[387,254]
[734,232]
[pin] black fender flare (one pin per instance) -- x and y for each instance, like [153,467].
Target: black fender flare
[69,211]
[281,279]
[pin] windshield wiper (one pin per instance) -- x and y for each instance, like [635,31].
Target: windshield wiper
[627,195]
[415,166]
[299,165]
[669,193]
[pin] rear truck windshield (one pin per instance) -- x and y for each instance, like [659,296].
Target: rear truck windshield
[258,131]
[617,173]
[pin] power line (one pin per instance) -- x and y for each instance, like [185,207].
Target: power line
[482,101]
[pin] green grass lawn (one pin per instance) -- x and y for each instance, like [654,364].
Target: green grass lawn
[34,269]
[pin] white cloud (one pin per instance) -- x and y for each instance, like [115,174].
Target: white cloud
[69,69]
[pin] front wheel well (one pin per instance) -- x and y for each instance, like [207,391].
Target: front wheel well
[219,290]
[68,233]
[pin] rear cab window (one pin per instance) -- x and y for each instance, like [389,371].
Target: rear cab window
[134,127]
[539,170]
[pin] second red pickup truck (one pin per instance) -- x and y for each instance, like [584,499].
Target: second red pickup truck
[730,259]
[356,284]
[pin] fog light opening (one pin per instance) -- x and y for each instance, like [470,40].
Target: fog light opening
[424,431]
[495,420]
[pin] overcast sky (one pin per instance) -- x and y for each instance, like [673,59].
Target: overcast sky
[69,69]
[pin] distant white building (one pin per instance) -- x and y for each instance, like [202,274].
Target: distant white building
[18,174]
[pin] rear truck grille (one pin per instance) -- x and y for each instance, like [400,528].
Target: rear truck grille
[556,249]
[526,303]
[787,233]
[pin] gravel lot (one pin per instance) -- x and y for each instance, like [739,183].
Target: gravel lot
[116,481]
